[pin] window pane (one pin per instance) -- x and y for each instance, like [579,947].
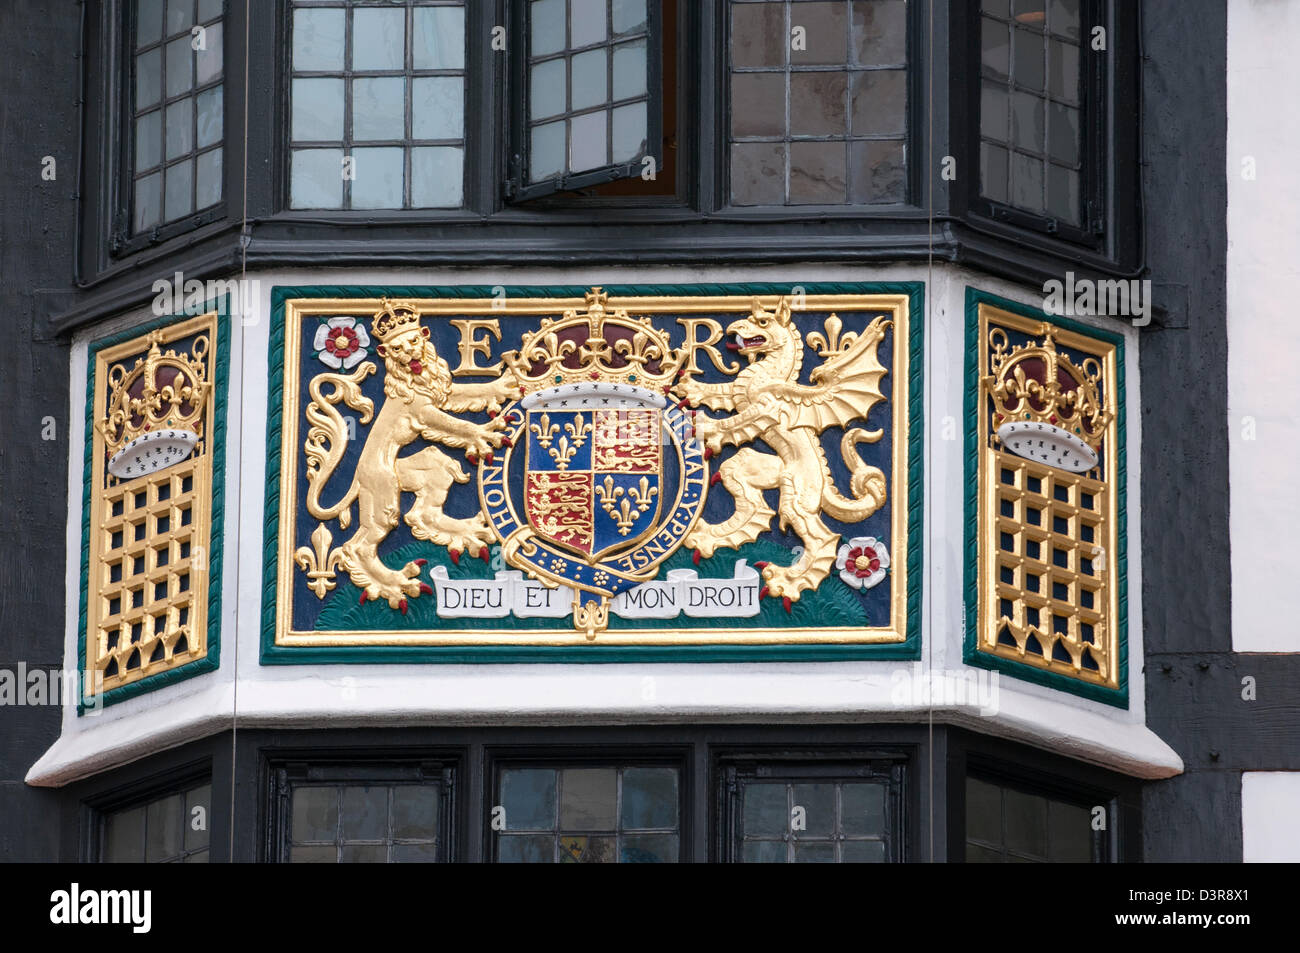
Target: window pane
[880,103]
[995,48]
[316,178]
[178,200]
[758,34]
[630,69]
[318,37]
[124,837]
[378,39]
[439,40]
[528,796]
[379,108]
[546,89]
[180,16]
[164,828]
[629,132]
[378,182]
[814,853]
[757,105]
[148,22]
[180,63]
[317,109]
[650,849]
[766,809]
[587,142]
[546,27]
[589,79]
[525,849]
[148,140]
[365,813]
[758,173]
[629,16]
[208,179]
[587,22]
[415,812]
[817,173]
[764,852]
[818,808]
[1027,182]
[148,78]
[1063,194]
[880,32]
[438,107]
[437,177]
[180,128]
[209,105]
[328,854]
[825,32]
[1063,79]
[649,798]
[209,9]
[1063,144]
[863,809]
[863,852]
[148,201]
[546,151]
[208,61]
[588,798]
[817,104]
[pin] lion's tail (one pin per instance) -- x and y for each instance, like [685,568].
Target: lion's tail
[866,482]
[327,437]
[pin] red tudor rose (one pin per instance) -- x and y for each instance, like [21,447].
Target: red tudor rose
[862,562]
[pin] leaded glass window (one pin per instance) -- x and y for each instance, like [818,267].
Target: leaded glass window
[377,104]
[175,91]
[587,815]
[171,829]
[1009,825]
[589,106]
[814,813]
[366,823]
[1031,106]
[819,98]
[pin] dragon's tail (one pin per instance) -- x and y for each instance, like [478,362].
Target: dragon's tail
[327,438]
[866,482]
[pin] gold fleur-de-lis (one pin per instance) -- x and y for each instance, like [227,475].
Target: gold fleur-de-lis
[545,431]
[832,342]
[624,510]
[319,562]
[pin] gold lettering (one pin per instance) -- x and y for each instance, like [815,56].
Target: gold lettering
[470,345]
[693,344]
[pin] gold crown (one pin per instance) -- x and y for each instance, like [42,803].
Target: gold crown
[595,346]
[394,318]
[1034,383]
[162,391]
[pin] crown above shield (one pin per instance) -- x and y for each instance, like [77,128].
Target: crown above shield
[596,345]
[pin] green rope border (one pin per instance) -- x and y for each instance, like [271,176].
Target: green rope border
[211,661]
[909,648]
[971,654]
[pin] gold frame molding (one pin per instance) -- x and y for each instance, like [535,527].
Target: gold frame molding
[297,309]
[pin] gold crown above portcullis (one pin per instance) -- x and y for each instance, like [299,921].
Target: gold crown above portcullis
[1046,407]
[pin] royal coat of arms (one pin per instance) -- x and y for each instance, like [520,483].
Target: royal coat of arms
[636,471]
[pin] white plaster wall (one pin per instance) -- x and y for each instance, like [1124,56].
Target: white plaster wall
[347,695]
[1263,332]
[1270,816]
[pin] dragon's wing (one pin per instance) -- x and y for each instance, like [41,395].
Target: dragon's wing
[846,386]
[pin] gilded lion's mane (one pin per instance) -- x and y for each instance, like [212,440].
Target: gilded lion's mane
[401,384]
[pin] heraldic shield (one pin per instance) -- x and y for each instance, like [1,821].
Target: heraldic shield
[594,474]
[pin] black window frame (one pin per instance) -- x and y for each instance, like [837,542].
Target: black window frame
[515,187]
[737,767]
[122,242]
[1108,236]
[141,790]
[329,767]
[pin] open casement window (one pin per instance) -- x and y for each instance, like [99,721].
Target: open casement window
[587,101]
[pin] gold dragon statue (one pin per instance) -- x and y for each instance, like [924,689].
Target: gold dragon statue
[420,401]
[771,405]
